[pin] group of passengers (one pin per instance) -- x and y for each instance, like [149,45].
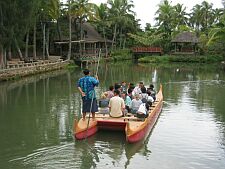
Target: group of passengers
[121,99]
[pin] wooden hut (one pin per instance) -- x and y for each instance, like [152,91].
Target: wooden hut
[87,47]
[185,43]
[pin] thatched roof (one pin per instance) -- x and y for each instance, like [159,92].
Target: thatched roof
[91,34]
[186,37]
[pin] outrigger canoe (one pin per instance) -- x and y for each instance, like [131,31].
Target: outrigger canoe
[135,129]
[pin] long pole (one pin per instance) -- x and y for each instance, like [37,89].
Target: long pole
[99,57]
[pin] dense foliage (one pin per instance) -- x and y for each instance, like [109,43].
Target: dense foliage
[29,27]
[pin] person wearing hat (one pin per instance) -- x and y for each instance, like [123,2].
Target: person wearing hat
[86,87]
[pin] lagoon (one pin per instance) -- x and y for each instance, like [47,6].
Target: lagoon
[37,114]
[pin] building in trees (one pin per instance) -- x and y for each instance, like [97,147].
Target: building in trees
[185,43]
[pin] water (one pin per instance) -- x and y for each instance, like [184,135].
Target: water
[37,113]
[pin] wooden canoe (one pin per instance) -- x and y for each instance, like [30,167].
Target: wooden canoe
[135,129]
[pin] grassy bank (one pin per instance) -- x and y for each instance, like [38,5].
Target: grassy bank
[176,58]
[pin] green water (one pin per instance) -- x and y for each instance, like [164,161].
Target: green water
[37,113]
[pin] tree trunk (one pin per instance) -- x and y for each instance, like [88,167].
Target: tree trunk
[124,43]
[26,46]
[60,36]
[1,57]
[10,53]
[47,44]
[114,36]
[70,33]
[43,52]
[106,47]
[34,43]
[18,49]
[121,39]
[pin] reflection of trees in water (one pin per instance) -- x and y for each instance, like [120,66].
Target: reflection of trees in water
[37,106]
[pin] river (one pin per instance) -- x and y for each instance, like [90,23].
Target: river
[37,114]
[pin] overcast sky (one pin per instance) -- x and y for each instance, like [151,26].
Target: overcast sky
[145,9]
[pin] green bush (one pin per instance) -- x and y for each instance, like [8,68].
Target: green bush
[121,54]
[186,58]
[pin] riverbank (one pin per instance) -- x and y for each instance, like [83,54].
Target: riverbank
[182,58]
[15,71]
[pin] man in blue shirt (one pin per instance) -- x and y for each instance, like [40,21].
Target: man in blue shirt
[86,86]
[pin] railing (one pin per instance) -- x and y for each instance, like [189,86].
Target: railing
[147,50]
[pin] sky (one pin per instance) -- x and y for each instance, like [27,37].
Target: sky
[145,9]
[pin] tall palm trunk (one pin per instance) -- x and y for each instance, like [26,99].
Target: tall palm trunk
[18,49]
[1,57]
[10,53]
[44,40]
[26,46]
[47,44]
[114,36]
[121,38]
[70,32]
[124,43]
[59,35]
[106,47]
[34,42]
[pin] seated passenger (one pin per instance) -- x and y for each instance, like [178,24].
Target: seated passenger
[144,109]
[144,94]
[104,103]
[128,101]
[150,98]
[152,91]
[110,92]
[116,105]
[135,104]
[123,87]
[137,89]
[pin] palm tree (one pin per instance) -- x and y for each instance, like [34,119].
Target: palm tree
[180,15]
[120,15]
[207,16]
[102,21]
[196,18]
[164,17]
[217,34]
[82,11]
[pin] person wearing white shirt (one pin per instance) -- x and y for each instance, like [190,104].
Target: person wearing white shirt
[116,105]
[137,89]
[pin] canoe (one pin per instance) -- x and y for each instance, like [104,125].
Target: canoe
[135,129]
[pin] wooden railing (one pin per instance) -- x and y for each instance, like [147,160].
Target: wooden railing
[147,50]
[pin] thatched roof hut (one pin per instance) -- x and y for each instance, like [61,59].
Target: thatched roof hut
[185,37]
[185,43]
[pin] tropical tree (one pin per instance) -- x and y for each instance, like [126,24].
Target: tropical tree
[180,15]
[102,21]
[81,11]
[217,36]
[121,15]
[196,18]
[166,22]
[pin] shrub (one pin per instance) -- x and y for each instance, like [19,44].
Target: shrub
[183,58]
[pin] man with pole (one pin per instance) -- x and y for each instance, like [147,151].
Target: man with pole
[86,87]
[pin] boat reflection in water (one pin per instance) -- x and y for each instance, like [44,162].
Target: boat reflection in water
[109,148]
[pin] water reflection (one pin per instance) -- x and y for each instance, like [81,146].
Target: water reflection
[36,119]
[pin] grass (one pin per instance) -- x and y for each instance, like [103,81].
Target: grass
[186,58]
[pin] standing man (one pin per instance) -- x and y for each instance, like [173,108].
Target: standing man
[116,105]
[86,86]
